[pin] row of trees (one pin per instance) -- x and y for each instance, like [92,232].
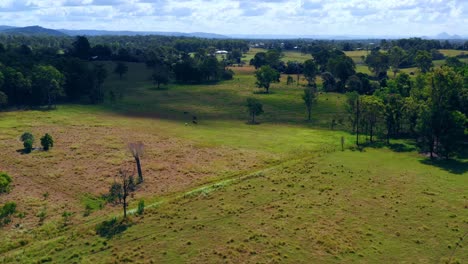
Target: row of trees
[432,110]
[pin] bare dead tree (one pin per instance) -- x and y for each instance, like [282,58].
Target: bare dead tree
[137,149]
[128,186]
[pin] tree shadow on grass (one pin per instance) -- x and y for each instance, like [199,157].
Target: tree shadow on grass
[110,228]
[396,147]
[451,165]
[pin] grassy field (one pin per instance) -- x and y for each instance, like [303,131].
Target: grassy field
[224,191]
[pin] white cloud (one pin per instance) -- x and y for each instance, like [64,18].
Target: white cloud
[307,17]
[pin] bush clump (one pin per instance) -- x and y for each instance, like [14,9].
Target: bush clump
[5,182]
[28,141]
[6,211]
[47,142]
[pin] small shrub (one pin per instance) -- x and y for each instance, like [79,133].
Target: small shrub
[66,218]
[141,207]
[28,146]
[5,182]
[47,142]
[111,228]
[88,210]
[27,136]
[6,211]
[42,216]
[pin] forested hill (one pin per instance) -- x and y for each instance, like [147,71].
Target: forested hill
[33,31]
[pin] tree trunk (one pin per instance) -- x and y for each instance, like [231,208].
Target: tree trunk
[253,118]
[125,206]
[267,89]
[357,123]
[309,110]
[140,174]
[371,132]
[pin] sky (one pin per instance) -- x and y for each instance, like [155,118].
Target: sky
[278,17]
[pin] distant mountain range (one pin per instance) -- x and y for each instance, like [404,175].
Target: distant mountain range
[37,31]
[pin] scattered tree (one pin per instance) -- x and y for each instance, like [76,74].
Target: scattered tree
[423,60]
[255,108]
[128,186]
[395,58]
[310,71]
[309,97]
[121,69]
[377,62]
[160,75]
[265,76]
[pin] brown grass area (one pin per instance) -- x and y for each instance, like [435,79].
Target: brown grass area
[86,157]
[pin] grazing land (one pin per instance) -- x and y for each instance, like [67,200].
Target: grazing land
[223,190]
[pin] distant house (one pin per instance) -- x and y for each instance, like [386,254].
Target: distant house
[221,52]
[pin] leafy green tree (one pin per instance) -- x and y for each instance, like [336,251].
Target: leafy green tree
[372,108]
[454,62]
[410,112]
[121,69]
[5,181]
[160,75]
[265,76]
[352,108]
[378,62]
[396,55]
[393,114]
[81,48]
[17,87]
[259,60]
[354,84]
[423,60]
[310,71]
[47,84]
[329,82]
[341,67]
[255,108]
[309,97]
[441,126]
[47,142]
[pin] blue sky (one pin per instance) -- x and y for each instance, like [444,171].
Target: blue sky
[291,17]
